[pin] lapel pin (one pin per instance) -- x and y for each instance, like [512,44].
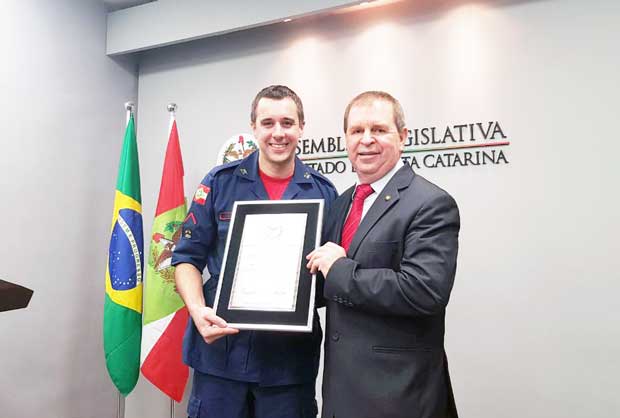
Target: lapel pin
[243,171]
[306,175]
[388,197]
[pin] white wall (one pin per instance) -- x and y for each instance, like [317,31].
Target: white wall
[62,125]
[532,327]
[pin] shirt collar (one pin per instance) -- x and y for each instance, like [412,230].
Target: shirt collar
[380,184]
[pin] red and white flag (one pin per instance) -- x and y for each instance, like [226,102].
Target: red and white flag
[164,314]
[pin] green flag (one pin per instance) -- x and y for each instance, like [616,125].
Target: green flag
[122,318]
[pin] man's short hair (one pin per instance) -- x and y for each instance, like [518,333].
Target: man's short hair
[368,97]
[278,92]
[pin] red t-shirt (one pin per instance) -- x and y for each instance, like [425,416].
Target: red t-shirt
[275,187]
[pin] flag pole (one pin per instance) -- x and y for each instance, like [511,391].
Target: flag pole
[120,411]
[172,108]
[129,106]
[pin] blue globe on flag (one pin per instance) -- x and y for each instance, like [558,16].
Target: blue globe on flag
[126,256]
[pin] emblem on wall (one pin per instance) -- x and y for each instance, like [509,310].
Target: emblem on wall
[235,148]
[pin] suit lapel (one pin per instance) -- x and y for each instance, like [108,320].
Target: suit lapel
[388,198]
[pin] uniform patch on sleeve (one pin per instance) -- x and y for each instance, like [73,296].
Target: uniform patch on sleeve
[201,194]
[225,216]
[190,218]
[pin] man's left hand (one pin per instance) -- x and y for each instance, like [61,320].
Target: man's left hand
[324,257]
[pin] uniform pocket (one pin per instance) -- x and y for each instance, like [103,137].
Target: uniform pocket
[223,225]
[193,407]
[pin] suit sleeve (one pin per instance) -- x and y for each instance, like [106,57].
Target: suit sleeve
[199,230]
[424,280]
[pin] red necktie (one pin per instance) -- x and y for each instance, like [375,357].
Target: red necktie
[355,215]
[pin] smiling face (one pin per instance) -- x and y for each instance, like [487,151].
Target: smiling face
[374,144]
[277,130]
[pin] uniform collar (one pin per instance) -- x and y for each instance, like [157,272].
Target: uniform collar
[248,169]
[302,172]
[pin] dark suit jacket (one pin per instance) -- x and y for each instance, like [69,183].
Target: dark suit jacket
[384,346]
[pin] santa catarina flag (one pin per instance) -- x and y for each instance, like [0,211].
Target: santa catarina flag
[122,317]
[165,315]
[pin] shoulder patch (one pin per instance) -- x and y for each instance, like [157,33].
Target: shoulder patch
[200,197]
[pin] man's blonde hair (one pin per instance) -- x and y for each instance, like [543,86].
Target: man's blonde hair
[369,96]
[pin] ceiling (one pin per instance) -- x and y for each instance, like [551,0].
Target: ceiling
[112,5]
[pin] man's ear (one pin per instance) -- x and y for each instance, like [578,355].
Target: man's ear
[404,133]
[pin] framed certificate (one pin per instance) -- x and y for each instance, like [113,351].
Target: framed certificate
[264,283]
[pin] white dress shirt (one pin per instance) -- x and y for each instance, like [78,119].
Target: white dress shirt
[377,188]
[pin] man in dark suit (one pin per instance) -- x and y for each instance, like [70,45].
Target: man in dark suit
[389,268]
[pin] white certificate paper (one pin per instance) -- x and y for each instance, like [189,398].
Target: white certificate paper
[270,255]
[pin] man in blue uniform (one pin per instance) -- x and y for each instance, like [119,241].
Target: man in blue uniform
[247,374]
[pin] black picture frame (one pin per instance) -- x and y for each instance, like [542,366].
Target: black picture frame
[301,318]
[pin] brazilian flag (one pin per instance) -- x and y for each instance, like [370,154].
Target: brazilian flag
[122,318]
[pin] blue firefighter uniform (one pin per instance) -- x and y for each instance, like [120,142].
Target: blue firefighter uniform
[262,357]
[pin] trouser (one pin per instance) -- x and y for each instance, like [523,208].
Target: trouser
[216,397]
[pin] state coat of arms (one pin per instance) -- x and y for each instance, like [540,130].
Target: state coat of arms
[161,254]
[236,148]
